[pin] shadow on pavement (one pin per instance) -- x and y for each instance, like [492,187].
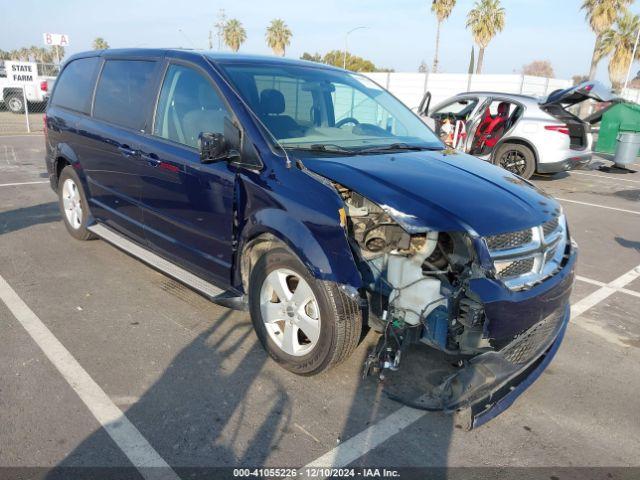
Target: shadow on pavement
[218,405]
[12,220]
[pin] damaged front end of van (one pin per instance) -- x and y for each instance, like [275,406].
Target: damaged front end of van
[439,270]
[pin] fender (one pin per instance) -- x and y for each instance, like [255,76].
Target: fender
[65,151]
[313,232]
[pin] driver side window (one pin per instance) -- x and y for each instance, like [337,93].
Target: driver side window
[188,105]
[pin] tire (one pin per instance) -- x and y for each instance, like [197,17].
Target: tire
[339,317]
[73,205]
[516,158]
[15,103]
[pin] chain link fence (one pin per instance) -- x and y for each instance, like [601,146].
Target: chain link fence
[22,104]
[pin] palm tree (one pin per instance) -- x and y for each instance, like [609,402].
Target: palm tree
[485,20]
[100,44]
[442,10]
[278,36]
[601,14]
[234,34]
[618,41]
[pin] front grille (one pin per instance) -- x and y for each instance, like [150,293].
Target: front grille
[506,241]
[550,226]
[550,254]
[531,343]
[516,268]
[524,258]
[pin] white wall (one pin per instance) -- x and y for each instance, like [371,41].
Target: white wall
[631,95]
[410,87]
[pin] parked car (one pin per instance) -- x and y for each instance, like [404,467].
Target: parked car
[12,96]
[520,133]
[312,197]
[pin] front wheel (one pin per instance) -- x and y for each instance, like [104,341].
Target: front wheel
[516,158]
[305,324]
[15,103]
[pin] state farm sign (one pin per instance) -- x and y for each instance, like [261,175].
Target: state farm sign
[21,72]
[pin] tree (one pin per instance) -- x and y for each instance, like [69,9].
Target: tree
[578,79]
[601,14]
[485,20]
[539,68]
[336,58]
[100,44]
[278,36]
[442,9]
[618,41]
[234,34]
[315,57]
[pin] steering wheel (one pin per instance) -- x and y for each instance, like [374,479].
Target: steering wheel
[346,120]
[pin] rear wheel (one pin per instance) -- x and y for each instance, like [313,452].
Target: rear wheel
[73,204]
[306,325]
[516,158]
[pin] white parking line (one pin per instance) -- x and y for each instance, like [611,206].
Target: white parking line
[591,300]
[598,206]
[23,183]
[575,172]
[358,445]
[22,135]
[602,284]
[141,454]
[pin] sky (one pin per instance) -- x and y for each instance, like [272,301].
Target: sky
[399,34]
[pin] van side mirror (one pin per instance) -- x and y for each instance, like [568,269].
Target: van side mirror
[215,147]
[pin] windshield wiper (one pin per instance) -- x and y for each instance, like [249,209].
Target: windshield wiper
[398,146]
[324,147]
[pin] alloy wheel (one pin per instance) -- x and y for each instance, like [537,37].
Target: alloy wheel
[290,312]
[514,162]
[72,203]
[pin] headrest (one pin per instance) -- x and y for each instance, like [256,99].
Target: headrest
[503,109]
[271,101]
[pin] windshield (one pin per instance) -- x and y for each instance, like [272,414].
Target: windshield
[328,110]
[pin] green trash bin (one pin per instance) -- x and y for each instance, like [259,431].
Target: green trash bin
[623,117]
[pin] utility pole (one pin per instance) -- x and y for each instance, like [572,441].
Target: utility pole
[219,26]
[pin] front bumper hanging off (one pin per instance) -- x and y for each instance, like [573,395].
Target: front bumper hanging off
[490,382]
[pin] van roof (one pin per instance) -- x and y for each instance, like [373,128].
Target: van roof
[221,57]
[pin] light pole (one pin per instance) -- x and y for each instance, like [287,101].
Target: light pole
[346,45]
[633,56]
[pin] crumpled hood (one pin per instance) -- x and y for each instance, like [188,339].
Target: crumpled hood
[443,191]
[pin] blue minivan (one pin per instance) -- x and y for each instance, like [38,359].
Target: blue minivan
[312,197]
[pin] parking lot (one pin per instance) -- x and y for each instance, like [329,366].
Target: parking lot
[107,363]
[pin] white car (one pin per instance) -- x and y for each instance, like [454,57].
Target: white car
[520,133]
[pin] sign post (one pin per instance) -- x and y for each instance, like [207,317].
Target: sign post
[23,74]
[56,40]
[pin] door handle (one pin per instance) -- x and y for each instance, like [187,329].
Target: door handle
[127,151]
[151,159]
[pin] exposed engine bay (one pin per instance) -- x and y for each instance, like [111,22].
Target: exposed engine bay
[416,284]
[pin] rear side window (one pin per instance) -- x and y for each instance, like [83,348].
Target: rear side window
[123,92]
[74,86]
